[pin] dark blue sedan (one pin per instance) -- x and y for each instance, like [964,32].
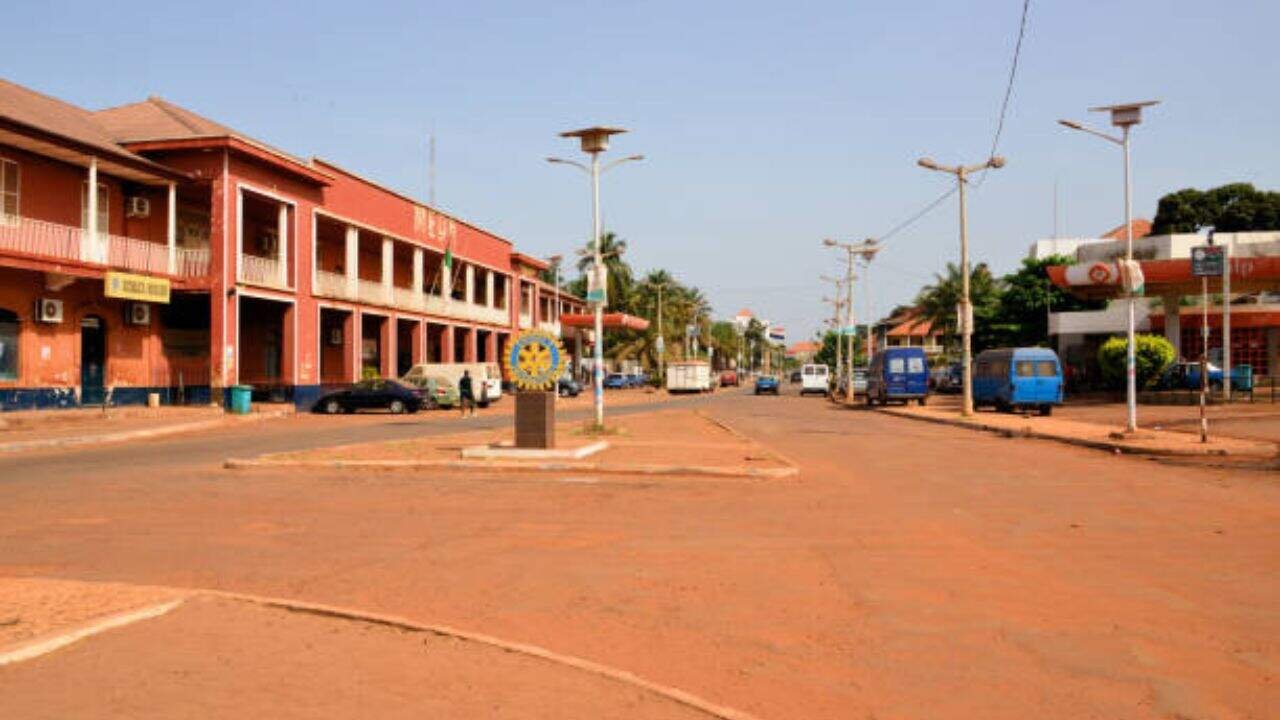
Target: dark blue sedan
[767,384]
[615,381]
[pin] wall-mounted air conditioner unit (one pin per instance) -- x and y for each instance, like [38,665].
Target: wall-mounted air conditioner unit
[138,207]
[49,310]
[139,313]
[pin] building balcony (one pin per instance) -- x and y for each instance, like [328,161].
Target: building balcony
[329,284]
[46,240]
[551,327]
[267,272]
[371,292]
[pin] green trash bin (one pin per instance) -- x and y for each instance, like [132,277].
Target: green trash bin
[241,395]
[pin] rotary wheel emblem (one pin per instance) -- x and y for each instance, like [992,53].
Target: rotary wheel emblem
[534,360]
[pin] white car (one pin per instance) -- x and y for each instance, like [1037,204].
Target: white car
[814,379]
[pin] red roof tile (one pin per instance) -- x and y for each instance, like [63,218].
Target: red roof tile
[1141,228]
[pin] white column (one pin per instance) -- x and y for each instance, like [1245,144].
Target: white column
[488,288]
[446,282]
[89,245]
[1173,323]
[353,261]
[388,257]
[171,229]
[417,274]
[282,243]
[471,284]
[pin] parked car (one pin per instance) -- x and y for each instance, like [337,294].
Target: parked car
[1186,376]
[437,392]
[615,381]
[376,394]
[795,377]
[1018,378]
[952,381]
[898,373]
[486,377]
[767,384]
[568,387]
[729,378]
[814,378]
[638,379]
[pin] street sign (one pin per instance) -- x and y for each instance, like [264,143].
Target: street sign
[598,285]
[661,345]
[851,330]
[1207,261]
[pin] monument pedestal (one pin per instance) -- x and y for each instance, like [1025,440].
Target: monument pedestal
[536,419]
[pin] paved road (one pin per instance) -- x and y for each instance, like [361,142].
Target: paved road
[171,454]
[912,570]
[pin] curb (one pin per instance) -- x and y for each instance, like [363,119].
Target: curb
[36,648]
[124,436]
[746,438]
[544,467]
[45,645]
[1028,432]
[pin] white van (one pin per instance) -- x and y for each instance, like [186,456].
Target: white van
[813,379]
[486,378]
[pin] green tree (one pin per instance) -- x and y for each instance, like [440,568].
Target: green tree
[620,278]
[1234,207]
[938,301]
[1026,297]
[1152,354]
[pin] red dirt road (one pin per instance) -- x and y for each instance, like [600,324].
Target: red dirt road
[911,571]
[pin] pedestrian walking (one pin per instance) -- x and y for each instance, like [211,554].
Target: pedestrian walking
[466,395]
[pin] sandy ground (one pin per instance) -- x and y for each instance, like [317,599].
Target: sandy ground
[215,658]
[33,608]
[31,425]
[911,571]
[666,437]
[1256,421]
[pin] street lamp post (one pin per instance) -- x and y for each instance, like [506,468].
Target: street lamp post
[595,140]
[1124,117]
[866,250]
[965,311]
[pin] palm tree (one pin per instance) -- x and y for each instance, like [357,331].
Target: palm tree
[616,268]
[938,301]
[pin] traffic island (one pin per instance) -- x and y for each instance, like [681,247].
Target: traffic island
[668,443]
[1093,435]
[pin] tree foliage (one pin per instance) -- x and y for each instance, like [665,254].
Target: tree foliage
[1151,354]
[1235,207]
[1026,297]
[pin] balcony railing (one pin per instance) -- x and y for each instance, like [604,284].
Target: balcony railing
[261,271]
[63,242]
[526,321]
[193,262]
[331,284]
[372,292]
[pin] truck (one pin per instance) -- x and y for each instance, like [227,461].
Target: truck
[689,376]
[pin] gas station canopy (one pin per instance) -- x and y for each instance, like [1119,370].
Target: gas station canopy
[612,321]
[1101,279]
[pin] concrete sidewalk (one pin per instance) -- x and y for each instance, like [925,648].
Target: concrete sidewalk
[1093,435]
[44,429]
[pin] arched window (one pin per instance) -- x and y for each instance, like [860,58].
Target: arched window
[8,345]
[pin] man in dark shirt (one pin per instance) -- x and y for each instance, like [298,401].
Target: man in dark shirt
[466,396]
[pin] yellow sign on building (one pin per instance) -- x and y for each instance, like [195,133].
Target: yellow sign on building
[136,287]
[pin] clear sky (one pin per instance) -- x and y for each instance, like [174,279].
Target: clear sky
[767,125]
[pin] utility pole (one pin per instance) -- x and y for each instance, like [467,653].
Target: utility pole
[866,250]
[965,308]
[662,344]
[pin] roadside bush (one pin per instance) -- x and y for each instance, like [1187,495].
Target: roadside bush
[1152,354]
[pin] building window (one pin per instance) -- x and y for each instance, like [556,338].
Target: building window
[8,345]
[8,189]
[104,207]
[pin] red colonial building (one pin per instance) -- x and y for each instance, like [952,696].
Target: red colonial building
[203,258]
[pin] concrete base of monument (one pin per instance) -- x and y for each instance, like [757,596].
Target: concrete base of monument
[509,451]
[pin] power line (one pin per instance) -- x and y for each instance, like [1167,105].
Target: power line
[995,142]
[1008,90]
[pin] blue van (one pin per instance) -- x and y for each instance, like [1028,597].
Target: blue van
[898,373]
[1018,378]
